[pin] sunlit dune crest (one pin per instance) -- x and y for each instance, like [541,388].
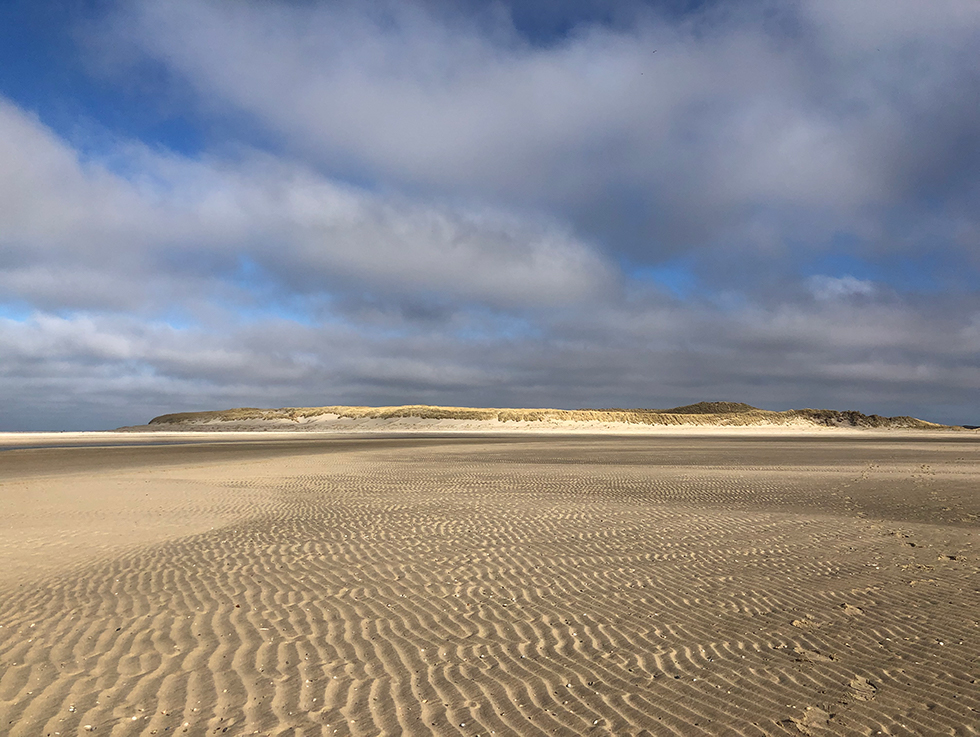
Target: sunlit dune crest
[702,414]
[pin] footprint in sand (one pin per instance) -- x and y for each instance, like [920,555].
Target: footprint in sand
[814,720]
[863,689]
[812,656]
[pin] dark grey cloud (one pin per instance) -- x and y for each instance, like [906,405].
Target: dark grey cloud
[887,358]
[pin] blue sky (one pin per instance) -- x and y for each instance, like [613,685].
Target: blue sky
[206,203]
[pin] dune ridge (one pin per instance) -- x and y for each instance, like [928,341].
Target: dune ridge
[703,414]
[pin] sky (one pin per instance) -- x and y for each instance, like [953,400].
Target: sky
[208,204]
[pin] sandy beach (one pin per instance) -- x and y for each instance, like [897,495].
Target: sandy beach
[748,582]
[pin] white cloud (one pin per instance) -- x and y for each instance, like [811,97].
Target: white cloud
[176,228]
[833,288]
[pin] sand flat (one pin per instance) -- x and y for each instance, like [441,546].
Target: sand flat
[662,584]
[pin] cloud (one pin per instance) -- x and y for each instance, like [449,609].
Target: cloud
[77,234]
[830,288]
[889,358]
[669,132]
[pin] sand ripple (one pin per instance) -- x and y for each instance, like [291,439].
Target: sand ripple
[517,591]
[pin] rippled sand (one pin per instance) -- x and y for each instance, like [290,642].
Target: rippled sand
[480,585]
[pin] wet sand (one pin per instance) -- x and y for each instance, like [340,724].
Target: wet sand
[317,585]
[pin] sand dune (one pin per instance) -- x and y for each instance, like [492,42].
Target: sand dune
[493,585]
[475,419]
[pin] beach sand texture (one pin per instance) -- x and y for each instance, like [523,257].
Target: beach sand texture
[716,585]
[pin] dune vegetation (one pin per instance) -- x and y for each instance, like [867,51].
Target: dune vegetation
[702,413]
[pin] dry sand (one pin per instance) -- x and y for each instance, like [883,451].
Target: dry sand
[659,584]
